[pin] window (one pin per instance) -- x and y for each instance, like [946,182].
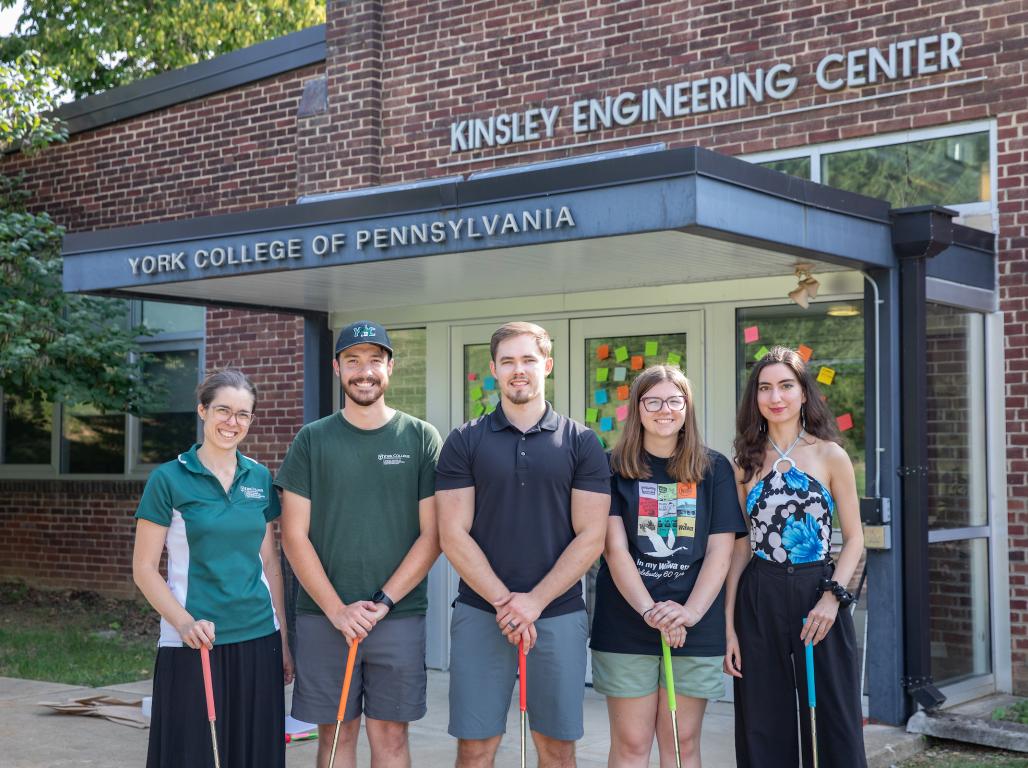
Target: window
[949,165]
[834,335]
[93,443]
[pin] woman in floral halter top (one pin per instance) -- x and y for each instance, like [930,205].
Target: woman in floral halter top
[783,590]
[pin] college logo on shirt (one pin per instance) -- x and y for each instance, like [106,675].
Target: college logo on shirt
[253,493]
[667,518]
[393,458]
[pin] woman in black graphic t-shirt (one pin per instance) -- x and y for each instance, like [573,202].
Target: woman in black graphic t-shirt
[674,515]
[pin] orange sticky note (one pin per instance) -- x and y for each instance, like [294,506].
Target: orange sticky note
[751,334]
[603,352]
[623,392]
[805,352]
[637,362]
[844,422]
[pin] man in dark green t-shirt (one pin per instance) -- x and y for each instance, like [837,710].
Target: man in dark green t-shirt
[359,529]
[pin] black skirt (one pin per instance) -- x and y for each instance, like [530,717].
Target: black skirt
[249,703]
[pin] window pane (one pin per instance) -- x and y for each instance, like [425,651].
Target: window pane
[794,166]
[947,171]
[611,365]
[92,442]
[835,335]
[407,384]
[172,318]
[958,599]
[27,429]
[171,428]
[957,494]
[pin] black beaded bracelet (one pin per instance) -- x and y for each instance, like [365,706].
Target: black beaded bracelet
[840,593]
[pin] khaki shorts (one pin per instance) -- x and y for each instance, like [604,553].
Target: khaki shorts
[631,675]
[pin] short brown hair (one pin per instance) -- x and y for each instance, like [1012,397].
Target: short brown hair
[227,377]
[521,328]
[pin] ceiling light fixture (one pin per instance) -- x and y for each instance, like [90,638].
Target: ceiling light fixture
[843,310]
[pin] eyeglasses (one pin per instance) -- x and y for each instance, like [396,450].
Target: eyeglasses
[655,404]
[224,413]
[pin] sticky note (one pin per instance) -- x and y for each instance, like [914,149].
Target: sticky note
[603,352]
[477,410]
[592,414]
[637,362]
[602,374]
[621,412]
[621,354]
[475,393]
[472,376]
[673,359]
[490,407]
[760,353]
[488,383]
[844,422]
[623,392]
[751,334]
[606,424]
[620,372]
[805,352]
[600,396]
[494,399]
[651,348]
[826,376]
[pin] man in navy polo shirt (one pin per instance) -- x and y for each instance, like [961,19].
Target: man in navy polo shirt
[522,495]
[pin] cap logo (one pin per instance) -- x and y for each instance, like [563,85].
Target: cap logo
[363,332]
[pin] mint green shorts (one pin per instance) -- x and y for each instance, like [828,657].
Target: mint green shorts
[631,675]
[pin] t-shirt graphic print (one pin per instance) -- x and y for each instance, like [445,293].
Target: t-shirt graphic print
[667,518]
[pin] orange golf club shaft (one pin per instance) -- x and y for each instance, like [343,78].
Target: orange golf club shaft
[351,657]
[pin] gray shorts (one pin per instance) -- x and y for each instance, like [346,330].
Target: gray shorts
[483,671]
[388,676]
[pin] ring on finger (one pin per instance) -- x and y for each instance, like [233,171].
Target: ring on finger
[512,624]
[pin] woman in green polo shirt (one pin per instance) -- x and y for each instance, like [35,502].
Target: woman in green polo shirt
[212,508]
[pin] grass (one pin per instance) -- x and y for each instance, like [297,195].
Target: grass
[74,637]
[1015,713]
[950,754]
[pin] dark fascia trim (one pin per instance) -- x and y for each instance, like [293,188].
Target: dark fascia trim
[257,62]
[541,182]
[969,260]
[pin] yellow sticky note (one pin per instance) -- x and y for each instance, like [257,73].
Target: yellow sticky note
[602,374]
[826,376]
[621,354]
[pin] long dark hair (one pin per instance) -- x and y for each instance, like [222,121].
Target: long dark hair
[751,426]
[689,462]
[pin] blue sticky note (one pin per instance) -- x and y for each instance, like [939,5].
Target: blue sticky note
[600,396]
[606,424]
[620,373]
[488,383]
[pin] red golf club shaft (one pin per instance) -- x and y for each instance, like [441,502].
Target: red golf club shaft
[208,687]
[522,695]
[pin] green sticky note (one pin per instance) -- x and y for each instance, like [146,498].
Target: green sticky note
[592,414]
[602,374]
[475,393]
[673,359]
[490,407]
[477,410]
[621,354]
[760,353]
[651,348]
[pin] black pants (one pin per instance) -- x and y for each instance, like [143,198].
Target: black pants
[249,704]
[770,606]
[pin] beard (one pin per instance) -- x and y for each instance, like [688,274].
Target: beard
[521,395]
[364,397]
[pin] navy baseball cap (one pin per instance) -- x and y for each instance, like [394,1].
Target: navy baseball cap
[363,332]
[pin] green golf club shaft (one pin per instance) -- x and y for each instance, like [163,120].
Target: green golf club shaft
[672,701]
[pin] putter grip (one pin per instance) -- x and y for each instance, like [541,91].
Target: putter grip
[522,675]
[351,657]
[669,675]
[208,687]
[809,653]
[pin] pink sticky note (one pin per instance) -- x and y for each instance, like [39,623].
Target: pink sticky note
[751,334]
[472,376]
[621,412]
[845,422]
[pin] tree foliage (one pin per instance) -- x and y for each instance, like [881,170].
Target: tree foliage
[100,44]
[53,346]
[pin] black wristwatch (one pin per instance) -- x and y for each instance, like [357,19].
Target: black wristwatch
[382,597]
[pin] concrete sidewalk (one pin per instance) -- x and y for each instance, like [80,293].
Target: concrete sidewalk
[33,737]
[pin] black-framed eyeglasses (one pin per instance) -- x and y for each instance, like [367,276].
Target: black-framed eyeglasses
[655,404]
[224,413]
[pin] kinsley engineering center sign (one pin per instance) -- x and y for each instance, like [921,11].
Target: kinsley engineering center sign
[860,66]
